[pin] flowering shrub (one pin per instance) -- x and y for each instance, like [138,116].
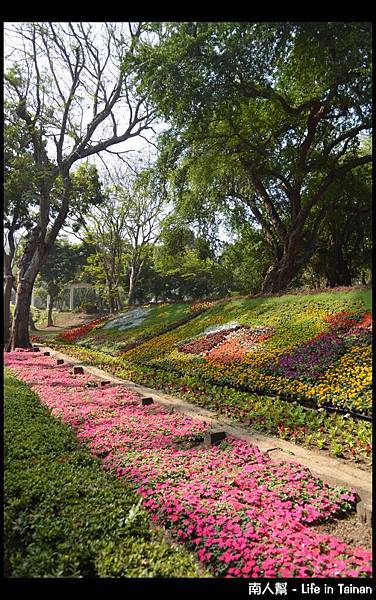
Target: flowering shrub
[244,514]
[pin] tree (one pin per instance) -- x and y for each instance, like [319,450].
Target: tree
[264,115]
[246,261]
[75,101]
[142,204]
[61,265]
[20,197]
[186,263]
[105,233]
[344,247]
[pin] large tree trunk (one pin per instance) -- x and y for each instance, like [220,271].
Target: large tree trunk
[29,265]
[338,272]
[9,280]
[280,275]
[20,329]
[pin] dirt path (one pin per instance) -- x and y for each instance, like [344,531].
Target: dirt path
[64,321]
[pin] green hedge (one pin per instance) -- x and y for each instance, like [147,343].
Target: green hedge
[64,515]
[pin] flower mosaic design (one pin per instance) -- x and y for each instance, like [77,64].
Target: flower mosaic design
[227,343]
[241,356]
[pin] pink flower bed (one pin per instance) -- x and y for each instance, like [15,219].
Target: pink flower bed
[243,513]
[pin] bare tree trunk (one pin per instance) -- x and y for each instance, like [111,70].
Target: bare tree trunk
[50,322]
[132,286]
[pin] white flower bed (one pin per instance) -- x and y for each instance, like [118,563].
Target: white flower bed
[216,328]
[131,318]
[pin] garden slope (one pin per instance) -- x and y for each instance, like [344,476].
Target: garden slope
[316,347]
[248,356]
[131,326]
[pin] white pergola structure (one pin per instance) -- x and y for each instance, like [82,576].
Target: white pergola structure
[75,286]
[71,287]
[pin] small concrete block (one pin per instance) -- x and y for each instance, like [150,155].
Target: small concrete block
[364,512]
[77,370]
[60,361]
[103,383]
[147,401]
[46,354]
[211,438]
[36,349]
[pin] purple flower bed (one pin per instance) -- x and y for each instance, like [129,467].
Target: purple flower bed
[308,361]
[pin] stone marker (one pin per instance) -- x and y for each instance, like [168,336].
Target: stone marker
[60,361]
[77,370]
[36,349]
[147,401]
[364,512]
[213,437]
[46,354]
[103,383]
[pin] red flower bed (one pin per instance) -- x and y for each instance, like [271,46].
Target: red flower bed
[73,334]
[344,321]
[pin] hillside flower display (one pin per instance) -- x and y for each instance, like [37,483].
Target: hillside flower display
[244,514]
[298,370]
[269,361]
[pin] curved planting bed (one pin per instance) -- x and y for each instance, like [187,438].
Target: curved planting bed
[243,514]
